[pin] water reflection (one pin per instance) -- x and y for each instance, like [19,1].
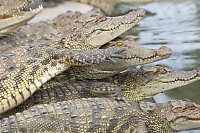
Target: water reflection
[176,24]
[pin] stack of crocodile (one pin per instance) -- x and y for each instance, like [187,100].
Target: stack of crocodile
[74,69]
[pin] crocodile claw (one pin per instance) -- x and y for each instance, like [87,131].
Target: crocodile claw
[117,95]
[109,58]
[116,54]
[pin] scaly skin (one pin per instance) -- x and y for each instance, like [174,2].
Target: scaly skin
[10,19]
[101,115]
[20,77]
[27,34]
[32,32]
[135,85]
[133,55]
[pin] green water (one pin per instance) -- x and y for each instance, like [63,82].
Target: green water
[175,24]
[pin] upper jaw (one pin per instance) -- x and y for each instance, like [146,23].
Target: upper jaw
[130,19]
[181,76]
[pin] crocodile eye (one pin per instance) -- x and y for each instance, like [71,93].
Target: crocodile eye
[148,72]
[162,71]
[148,69]
[179,106]
[177,109]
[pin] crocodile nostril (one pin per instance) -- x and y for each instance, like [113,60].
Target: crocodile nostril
[198,74]
[164,50]
[198,71]
[136,9]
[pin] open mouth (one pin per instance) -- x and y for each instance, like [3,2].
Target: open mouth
[21,13]
[9,7]
[9,22]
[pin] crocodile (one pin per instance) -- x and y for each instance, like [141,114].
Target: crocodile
[102,115]
[11,16]
[29,33]
[32,32]
[134,55]
[20,77]
[134,86]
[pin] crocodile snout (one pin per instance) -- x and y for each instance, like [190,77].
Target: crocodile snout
[164,51]
[141,12]
[198,71]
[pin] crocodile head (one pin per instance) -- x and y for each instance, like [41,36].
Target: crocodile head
[150,80]
[171,117]
[135,54]
[12,17]
[160,78]
[94,31]
[183,115]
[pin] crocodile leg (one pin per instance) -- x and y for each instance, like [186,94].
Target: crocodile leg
[104,89]
[88,57]
[52,67]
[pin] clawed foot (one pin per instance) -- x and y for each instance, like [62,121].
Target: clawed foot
[117,94]
[116,54]
[104,89]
